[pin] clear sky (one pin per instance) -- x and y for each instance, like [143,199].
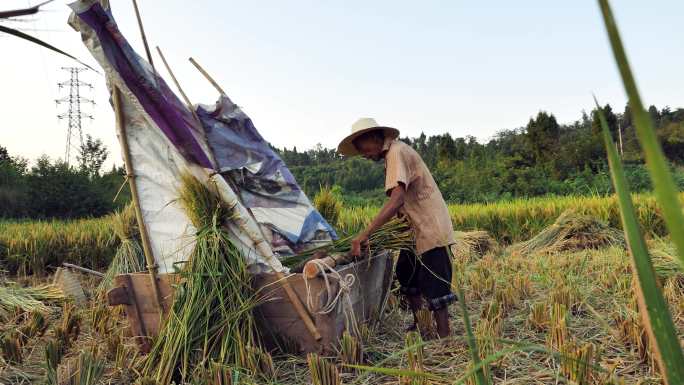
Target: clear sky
[306,70]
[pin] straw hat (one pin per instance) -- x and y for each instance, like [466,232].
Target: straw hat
[363,125]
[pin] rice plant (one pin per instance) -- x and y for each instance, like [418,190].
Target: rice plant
[54,352]
[129,257]
[87,370]
[11,347]
[577,364]
[328,205]
[351,351]
[414,358]
[322,371]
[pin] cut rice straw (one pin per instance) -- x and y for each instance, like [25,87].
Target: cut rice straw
[393,235]
[211,318]
[572,231]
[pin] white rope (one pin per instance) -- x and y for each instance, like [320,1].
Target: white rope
[333,302]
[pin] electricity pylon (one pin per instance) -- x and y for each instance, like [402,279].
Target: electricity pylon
[74,115]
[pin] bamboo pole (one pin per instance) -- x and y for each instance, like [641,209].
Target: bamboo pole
[207,76]
[260,244]
[147,247]
[144,235]
[180,89]
[142,33]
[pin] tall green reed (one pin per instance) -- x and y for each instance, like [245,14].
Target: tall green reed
[652,305]
[666,190]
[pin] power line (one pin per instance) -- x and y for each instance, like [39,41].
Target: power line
[74,115]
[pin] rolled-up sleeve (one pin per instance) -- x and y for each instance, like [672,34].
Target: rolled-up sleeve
[396,170]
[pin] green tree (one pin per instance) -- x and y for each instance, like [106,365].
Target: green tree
[92,154]
[543,134]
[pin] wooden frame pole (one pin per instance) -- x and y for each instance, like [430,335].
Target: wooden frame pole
[175,81]
[142,33]
[144,235]
[282,279]
[207,76]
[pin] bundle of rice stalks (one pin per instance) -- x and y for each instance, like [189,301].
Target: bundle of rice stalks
[54,351]
[129,257]
[472,244]
[322,371]
[35,325]
[351,352]
[539,317]
[557,337]
[572,231]
[578,364]
[414,358]
[393,235]
[11,347]
[426,324]
[211,317]
[69,329]
[328,205]
[86,371]
[27,299]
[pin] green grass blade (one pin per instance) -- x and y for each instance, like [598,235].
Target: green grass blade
[480,378]
[665,188]
[658,317]
[395,372]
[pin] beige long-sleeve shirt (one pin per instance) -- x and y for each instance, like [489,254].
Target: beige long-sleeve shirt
[423,202]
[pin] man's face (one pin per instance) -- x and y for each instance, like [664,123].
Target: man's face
[370,148]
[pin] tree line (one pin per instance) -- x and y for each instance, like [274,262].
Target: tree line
[542,158]
[51,188]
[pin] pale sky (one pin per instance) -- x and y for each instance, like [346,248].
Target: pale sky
[306,70]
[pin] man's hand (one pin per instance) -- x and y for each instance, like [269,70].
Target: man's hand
[388,210]
[359,241]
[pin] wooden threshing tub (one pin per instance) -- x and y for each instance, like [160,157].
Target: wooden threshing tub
[278,322]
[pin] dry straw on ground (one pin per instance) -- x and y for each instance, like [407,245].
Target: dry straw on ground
[572,231]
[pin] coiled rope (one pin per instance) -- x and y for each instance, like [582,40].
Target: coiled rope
[333,302]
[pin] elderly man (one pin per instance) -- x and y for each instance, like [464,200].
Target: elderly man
[413,193]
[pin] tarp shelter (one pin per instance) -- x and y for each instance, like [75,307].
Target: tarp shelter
[166,140]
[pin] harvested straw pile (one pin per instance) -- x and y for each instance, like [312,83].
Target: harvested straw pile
[572,231]
[129,257]
[211,318]
[15,298]
[472,244]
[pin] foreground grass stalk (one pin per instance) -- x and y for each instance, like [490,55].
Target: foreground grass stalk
[480,377]
[665,188]
[652,305]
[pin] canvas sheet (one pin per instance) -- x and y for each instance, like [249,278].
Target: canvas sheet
[265,184]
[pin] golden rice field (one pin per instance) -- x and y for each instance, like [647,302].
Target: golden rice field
[31,246]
